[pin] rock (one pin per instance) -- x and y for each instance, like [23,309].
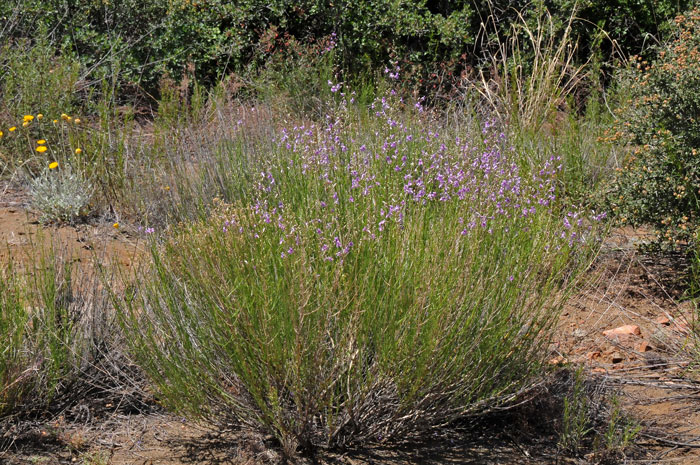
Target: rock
[626,340]
[593,355]
[580,333]
[662,320]
[559,360]
[643,347]
[617,357]
[623,330]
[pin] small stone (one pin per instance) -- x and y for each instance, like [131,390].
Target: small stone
[617,357]
[580,333]
[559,360]
[593,355]
[662,320]
[623,330]
[643,347]
[626,340]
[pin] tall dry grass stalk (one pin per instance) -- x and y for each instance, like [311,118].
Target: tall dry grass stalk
[531,72]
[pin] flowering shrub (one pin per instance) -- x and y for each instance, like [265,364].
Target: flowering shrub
[660,182]
[373,276]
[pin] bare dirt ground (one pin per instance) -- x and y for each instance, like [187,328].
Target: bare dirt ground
[648,368]
[22,236]
[651,366]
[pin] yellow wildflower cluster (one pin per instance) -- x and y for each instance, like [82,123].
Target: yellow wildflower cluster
[41,144]
[27,120]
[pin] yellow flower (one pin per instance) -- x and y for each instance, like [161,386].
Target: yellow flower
[41,149]
[41,142]
[78,151]
[53,165]
[25,124]
[55,121]
[39,116]
[12,129]
[115,225]
[28,118]
[1,133]
[64,116]
[77,121]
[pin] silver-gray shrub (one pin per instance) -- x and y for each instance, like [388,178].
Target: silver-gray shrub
[60,194]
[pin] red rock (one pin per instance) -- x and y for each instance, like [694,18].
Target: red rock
[593,355]
[557,360]
[623,330]
[662,320]
[626,340]
[643,347]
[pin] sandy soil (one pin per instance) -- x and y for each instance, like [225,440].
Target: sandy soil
[21,235]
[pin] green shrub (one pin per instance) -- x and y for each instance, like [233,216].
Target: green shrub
[659,182]
[370,278]
[36,78]
[634,25]
[135,42]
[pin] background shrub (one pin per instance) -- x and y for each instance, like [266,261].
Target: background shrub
[659,183]
[136,42]
[36,78]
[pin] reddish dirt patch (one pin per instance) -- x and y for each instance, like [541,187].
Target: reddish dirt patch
[23,238]
[653,368]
